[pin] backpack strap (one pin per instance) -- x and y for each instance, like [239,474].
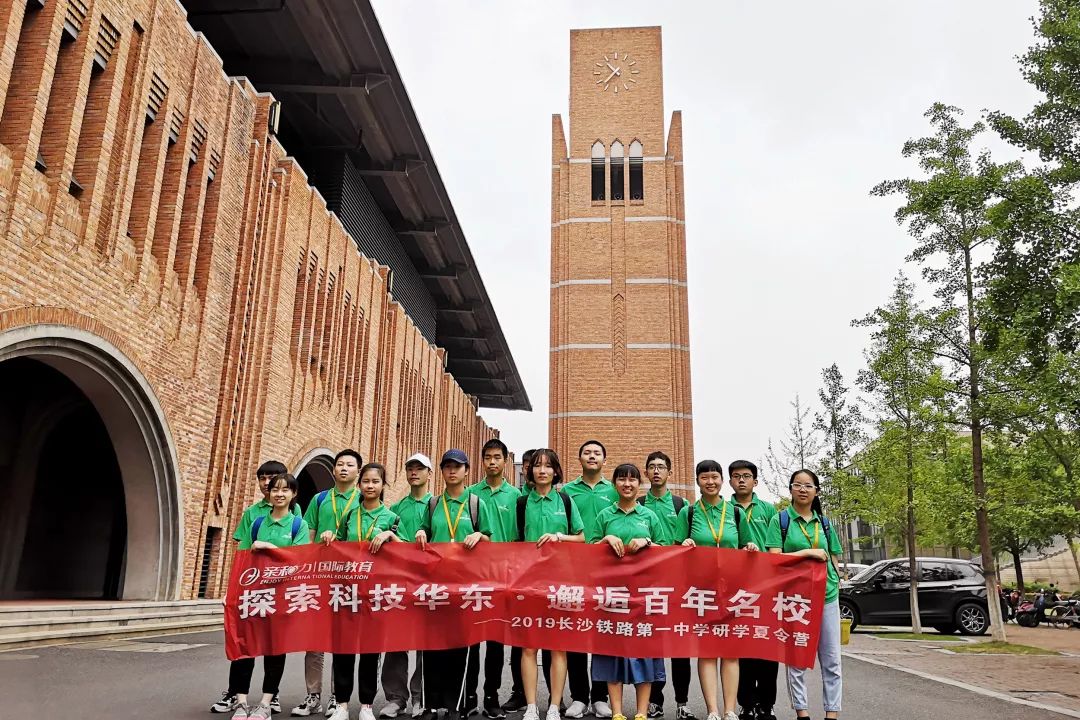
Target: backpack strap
[738,514]
[568,506]
[641,500]
[785,520]
[678,502]
[521,501]
[255,528]
[320,498]
[690,519]
[474,512]
[432,503]
[297,521]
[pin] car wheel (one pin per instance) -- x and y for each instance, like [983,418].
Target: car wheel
[949,629]
[972,619]
[849,612]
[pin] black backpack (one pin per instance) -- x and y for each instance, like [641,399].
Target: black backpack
[524,499]
[690,516]
[677,502]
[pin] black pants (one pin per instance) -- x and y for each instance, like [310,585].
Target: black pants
[240,674]
[757,683]
[582,689]
[367,677]
[444,673]
[680,681]
[494,657]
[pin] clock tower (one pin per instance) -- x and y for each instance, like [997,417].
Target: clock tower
[619,360]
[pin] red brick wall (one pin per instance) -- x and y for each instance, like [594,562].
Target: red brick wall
[261,329]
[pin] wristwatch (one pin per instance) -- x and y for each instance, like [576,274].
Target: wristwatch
[648,541]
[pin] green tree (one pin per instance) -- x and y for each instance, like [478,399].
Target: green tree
[946,213]
[841,425]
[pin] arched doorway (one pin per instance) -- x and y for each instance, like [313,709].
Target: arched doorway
[91,504]
[315,472]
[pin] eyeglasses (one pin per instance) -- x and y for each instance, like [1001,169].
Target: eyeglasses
[800,486]
[742,476]
[656,466]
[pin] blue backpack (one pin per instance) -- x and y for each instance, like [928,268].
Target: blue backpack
[296,523]
[785,521]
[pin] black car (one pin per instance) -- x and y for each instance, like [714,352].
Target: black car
[952,595]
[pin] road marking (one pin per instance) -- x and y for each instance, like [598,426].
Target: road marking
[133,646]
[964,686]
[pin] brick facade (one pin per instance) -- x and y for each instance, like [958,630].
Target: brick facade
[166,218]
[620,361]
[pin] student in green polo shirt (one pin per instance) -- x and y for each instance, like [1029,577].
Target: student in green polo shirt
[450,519]
[757,677]
[712,522]
[374,523]
[809,535]
[667,506]
[324,515]
[591,494]
[278,528]
[501,497]
[629,528]
[545,522]
[397,684]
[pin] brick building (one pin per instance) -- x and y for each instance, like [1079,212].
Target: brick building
[179,303]
[620,361]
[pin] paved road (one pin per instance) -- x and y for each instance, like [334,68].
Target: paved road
[179,676]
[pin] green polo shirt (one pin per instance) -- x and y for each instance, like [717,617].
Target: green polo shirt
[803,535]
[757,517]
[361,524]
[278,533]
[664,507]
[330,514]
[412,513]
[263,507]
[547,514]
[438,530]
[502,502]
[591,500]
[722,517]
[639,522]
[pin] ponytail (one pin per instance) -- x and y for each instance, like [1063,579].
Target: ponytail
[815,505]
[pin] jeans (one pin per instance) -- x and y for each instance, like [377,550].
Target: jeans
[680,681]
[240,674]
[828,652]
[398,685]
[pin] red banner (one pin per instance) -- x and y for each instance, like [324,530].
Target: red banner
[661,602]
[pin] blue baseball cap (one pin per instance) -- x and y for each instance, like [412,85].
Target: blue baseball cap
[454,456]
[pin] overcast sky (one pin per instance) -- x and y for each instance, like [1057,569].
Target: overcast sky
[792,111]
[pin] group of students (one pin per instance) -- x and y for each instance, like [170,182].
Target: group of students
[589,509]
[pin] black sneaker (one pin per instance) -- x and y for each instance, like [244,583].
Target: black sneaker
[227,703]
[492,709]
[655,710]
[275,704]
[515,703]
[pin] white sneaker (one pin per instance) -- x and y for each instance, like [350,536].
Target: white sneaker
[713,716]
[332,706]
[390,710]
[310,706]
[531,713]
[730,715]
[366,713]
[553,713]
[341,712]
[417,710]
[577,709]
[601,709]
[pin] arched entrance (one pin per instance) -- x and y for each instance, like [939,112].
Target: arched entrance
[315,472]
[91,504]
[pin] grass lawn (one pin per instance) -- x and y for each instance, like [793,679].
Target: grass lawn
[1000,648]
[933,637]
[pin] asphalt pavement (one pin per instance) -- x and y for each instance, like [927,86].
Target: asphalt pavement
[180,676]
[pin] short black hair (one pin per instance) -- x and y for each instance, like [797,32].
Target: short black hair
[657,455]
[290,482]
[527,456]
[349,452]
[495,444]
[272,467]
[626,470]
[592,442]
[708,466]
[742,465]
[553,460]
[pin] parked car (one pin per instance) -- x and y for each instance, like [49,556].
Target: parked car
[850,570]
[952,595]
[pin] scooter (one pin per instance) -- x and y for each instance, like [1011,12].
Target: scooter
[1031,612]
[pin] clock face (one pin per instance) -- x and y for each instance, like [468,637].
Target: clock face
[617,71]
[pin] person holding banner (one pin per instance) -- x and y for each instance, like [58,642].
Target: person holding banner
[278,528]
[456,517]
[324,515]
[591,493]
[802,529]
[374,523]
[546,515]
[628,528]
[396,682]
[712,522]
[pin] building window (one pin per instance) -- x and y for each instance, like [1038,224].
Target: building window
[598,171]
[637,183]
[618,173]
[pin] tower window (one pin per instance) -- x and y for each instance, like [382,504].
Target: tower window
[637,182]
[618,172]
[598,171]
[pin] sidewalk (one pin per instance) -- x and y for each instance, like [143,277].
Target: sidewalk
[1051,680]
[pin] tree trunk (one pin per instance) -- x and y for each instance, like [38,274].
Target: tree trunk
[1074,550]
[913,565]
[1018,568]
[982,518]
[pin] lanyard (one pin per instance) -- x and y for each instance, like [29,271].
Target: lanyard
[453,526]
[750,512]
[360,524]
[333,505]
[817,534]
[723,517]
